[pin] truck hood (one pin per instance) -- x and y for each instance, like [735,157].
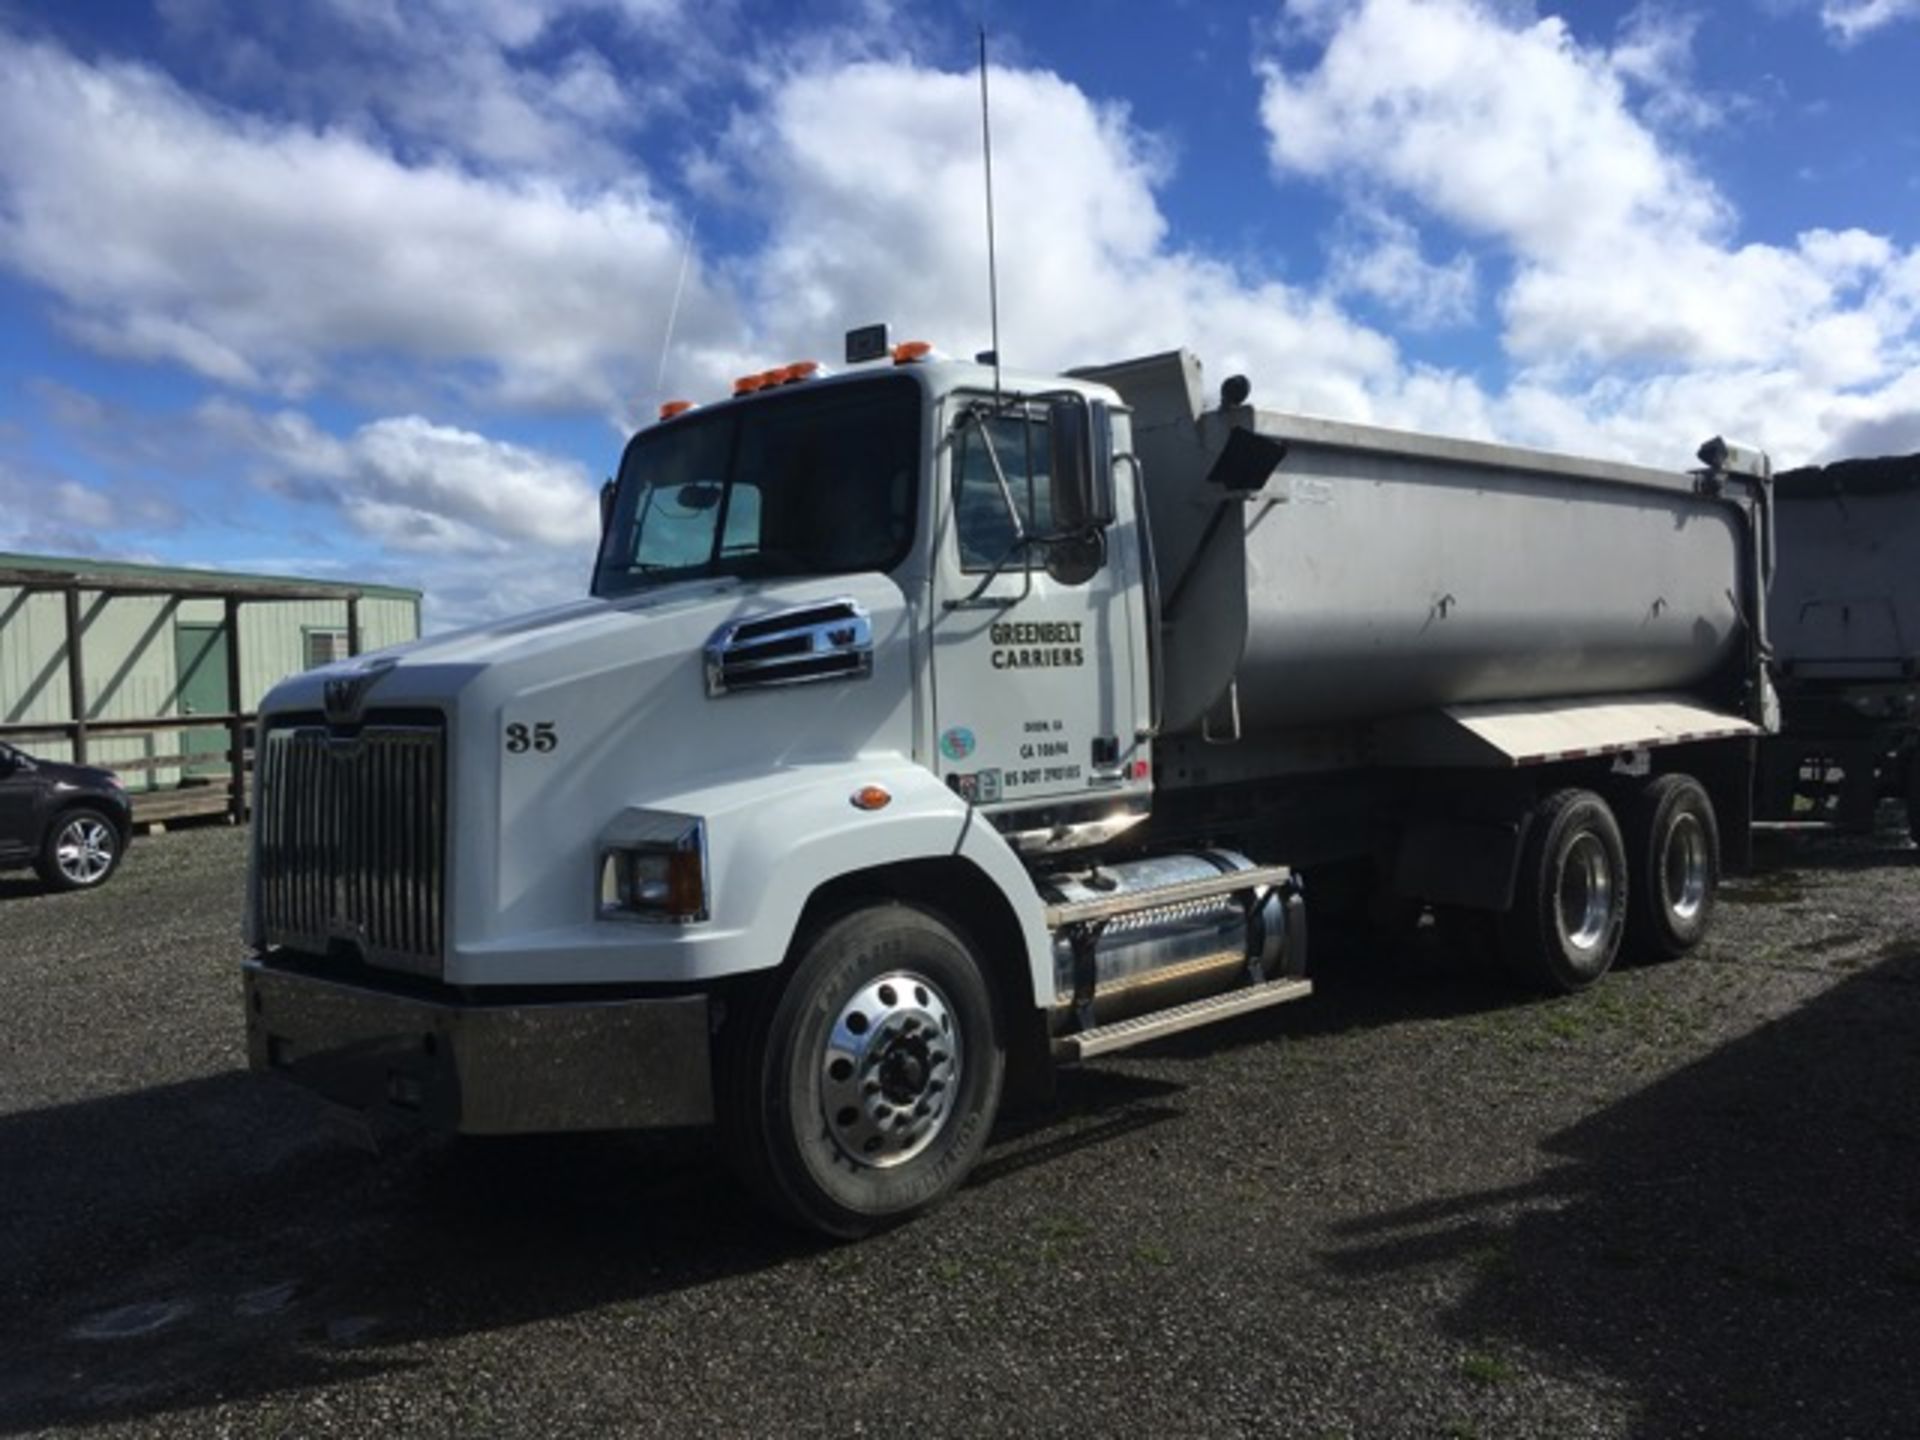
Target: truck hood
[557,721]
[568,641]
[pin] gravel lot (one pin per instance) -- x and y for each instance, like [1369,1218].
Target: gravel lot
[1687,1203]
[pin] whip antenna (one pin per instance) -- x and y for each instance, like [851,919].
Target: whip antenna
[673,314]
[993,273]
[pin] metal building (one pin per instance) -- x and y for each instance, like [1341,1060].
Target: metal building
[157,672]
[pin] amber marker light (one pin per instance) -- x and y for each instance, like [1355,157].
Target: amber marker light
[872,797]
[908,351]
[747,384]
[675,407]
[802,370]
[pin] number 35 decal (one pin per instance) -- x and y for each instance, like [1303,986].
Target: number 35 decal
[537,736]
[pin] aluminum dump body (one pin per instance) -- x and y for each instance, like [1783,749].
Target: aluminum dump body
[1372,573]
[1845,604]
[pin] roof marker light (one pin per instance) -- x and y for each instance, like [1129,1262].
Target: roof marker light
[675,407]
[747,384]
[908,351]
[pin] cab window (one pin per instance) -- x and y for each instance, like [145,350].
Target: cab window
[981,519]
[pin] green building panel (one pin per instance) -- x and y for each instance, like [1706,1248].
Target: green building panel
[163,655]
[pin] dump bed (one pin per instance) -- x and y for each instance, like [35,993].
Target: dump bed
[1314,573]
[1846,596]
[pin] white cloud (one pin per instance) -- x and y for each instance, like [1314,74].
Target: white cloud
[413,485]
[1632,310]
[1380,257]
[871,178]
[262,254]
[1849,20]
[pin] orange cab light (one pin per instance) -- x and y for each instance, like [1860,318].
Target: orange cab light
[907,351]
[872,797]
[675,407]
[747,384]
[771,378]
[802,370]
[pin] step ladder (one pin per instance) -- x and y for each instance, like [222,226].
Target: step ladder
[1081,922]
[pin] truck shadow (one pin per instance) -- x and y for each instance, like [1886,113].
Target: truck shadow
[199,1243]
[1737,1245]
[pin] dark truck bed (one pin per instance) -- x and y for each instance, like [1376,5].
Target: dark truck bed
[1844,622]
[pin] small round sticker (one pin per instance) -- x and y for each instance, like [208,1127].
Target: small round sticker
[957,743]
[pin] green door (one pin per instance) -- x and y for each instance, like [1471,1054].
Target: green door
[200,651]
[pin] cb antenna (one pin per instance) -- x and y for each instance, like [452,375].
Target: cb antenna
[993,272]
[673,314]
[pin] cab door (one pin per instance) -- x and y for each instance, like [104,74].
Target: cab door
[1038,651]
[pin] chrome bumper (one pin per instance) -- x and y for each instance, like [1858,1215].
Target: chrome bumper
[482,1069]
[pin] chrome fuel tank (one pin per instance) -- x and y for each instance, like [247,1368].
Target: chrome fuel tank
[1163,955]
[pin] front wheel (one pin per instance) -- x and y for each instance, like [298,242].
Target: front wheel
[861,1093]
[81,850]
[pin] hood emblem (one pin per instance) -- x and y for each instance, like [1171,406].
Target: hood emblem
[343,697]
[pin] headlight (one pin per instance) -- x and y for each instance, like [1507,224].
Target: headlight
[653,866]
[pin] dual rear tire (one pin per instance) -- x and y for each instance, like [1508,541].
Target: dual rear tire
[1590,886]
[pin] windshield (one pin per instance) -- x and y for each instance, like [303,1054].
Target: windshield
[816,482]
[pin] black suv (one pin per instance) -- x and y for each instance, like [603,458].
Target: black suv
[70,822]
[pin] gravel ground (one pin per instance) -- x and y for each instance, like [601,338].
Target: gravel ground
[1687,1203]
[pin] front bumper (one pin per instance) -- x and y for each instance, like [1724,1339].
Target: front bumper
[482,1068]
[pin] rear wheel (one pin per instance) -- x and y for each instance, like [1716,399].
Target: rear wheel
[1673,851]
[1570,901]
[862,1091]
[81,850]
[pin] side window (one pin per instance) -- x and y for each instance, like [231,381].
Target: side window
[981,521]
[325,646]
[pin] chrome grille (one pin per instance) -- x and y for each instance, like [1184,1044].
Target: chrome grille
[351,842]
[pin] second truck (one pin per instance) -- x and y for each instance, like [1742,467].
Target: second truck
[927,728]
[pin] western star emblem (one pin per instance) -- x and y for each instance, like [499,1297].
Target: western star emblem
[343,695]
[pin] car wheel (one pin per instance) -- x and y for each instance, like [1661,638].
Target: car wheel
[81,850]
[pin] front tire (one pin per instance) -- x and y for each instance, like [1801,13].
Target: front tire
[82,848]
[1570,903]
[862,1091]
[1673,849]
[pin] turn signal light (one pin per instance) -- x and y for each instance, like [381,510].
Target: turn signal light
[675,407]
[908,351]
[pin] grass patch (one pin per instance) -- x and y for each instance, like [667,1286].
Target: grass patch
[1487,1369]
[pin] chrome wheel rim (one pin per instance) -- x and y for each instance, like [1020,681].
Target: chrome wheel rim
[1684,868]
[84,850]
[1586,893]
[889,1070]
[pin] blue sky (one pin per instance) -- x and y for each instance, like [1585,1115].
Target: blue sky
[373,288]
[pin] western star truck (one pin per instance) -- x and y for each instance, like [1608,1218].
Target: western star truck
[927,728]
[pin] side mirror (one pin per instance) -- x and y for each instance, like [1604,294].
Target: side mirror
[1079,437]
[606,506]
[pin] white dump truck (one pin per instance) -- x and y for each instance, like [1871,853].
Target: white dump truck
[927,728]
